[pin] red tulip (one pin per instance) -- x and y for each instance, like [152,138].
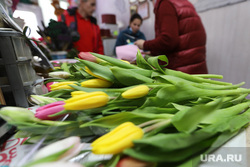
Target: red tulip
[50,109]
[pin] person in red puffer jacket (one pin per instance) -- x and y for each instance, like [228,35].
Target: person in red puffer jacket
[180,35]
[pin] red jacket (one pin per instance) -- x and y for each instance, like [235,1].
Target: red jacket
[90,37]
[180,36]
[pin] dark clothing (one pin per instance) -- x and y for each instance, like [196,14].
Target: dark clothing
[180,36]
[125,35]
[90,37]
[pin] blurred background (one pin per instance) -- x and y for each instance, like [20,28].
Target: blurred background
[226,22]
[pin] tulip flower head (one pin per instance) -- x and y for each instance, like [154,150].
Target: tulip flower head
[76,93]
[69,147]
[136,92]
[96,83]
[87,101]
[88,56]
[43,99]
[62,85]
[17,114]
[44,112]
[59,74]
[118,139]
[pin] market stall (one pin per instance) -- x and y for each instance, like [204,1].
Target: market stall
[103,111]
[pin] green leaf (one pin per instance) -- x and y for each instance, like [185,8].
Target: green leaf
[187,119]
[183,91]
[129,78]
[114,120]
[81,70]
[99,70]
[110,91]
[226,113]
[115,61]
[177,147]
[156,110]
[141,62]
[114,160]
[65,67]
[154,61]
[174,80]
[193,78]
[221,139]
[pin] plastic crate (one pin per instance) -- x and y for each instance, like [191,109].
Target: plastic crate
[18,76]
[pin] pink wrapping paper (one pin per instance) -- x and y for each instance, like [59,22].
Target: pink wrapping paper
[127,52]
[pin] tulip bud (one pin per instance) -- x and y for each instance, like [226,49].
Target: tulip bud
[59,74]
[44,112]
[76,93]
[42,99]
[87,101]
[136,92]
[118,139]
[88,56]
[96,83]
[68,147]
[62,85]
[17,114]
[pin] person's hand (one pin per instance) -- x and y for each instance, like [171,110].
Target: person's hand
[139,43]
[146,53]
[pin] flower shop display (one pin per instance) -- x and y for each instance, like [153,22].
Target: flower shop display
[139,114]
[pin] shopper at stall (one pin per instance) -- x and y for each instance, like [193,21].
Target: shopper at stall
[180,35]
[84,30]
[132,33]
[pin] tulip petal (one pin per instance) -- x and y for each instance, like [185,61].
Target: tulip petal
[59,146]
[44,112]
[51,105]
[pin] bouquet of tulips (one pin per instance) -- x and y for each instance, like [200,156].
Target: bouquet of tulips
[143,113]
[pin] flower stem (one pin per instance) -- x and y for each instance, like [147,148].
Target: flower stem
[157,125]
[149,122]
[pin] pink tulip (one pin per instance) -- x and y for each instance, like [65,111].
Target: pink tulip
[88,56]
[49,109]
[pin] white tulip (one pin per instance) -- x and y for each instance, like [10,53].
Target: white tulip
[59,74]
[73,141]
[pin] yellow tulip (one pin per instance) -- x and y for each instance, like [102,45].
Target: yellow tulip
[87,101]
[62,85]
[118,139]
[96,83]
[136,92]
[76,93]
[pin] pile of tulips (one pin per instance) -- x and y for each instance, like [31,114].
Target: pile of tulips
[140,114]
